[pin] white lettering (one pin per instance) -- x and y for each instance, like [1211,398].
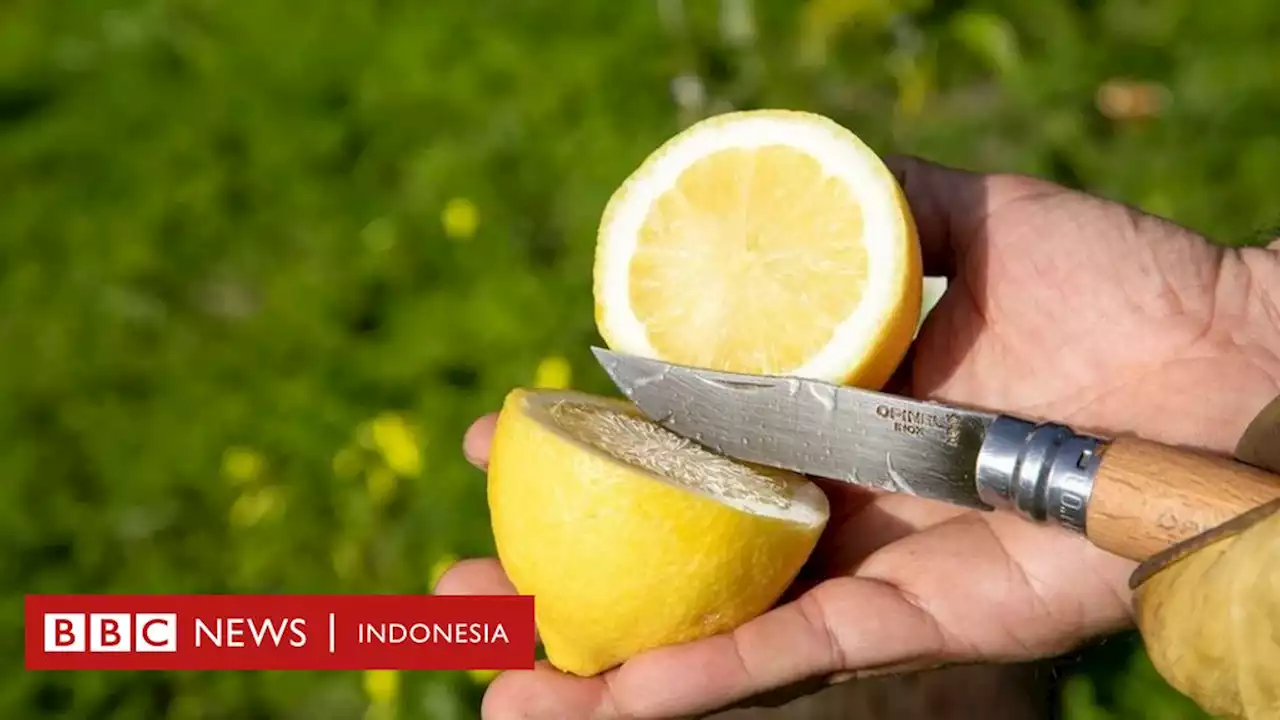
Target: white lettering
[298,628]
[156,632]
[110,632]
[214,636]
[424,633]
[235,632]
[231,632]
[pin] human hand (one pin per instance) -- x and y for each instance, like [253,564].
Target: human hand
[1061,306]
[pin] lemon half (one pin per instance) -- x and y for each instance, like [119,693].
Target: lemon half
[764,241]
[630,537]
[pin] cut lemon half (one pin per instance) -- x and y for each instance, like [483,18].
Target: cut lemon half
[766,241]
[630,537]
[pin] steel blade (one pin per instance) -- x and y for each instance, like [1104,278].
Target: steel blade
[871,439]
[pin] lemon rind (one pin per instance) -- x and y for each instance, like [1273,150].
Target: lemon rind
[888,233]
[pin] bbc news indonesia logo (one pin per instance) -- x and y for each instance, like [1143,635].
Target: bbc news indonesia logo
[111,632]
[278,632]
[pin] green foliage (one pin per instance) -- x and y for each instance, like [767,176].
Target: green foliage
[237,239]
[1118,682]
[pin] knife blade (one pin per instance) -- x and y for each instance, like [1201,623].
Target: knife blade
[1130,496]
[870,439]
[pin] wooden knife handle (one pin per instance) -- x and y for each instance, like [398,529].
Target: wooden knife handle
[1147,496]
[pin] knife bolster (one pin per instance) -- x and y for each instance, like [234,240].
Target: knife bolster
[1042,471]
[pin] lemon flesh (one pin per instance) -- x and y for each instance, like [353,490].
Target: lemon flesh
[762,241]
[630,537]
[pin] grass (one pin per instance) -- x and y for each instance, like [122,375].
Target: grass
[261,263]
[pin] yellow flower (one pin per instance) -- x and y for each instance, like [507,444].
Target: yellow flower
[438,569]
[255,505]
[242,465]
[381,483]
[460,219]
[382,686]
[398,443]
[553,372]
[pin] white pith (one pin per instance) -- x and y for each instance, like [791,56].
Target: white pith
[931,291]
[659,451]
[840,154]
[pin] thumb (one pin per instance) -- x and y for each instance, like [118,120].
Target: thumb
[941,199]
[951,206]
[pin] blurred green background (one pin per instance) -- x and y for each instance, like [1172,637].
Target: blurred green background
[261,263]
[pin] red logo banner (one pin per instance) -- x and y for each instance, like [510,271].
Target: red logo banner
[279,632]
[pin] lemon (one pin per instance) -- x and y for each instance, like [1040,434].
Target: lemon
[763,241]
[630,537]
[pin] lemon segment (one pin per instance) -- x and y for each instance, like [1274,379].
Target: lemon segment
[765,241]
[630,537]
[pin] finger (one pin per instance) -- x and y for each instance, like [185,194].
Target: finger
[477,576]
[675,681]
[846,623]
[545,692]
[940,198]
[475,444]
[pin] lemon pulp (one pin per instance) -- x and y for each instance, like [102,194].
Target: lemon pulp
[771,242]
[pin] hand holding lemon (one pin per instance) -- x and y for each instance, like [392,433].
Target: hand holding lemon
[721,250]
